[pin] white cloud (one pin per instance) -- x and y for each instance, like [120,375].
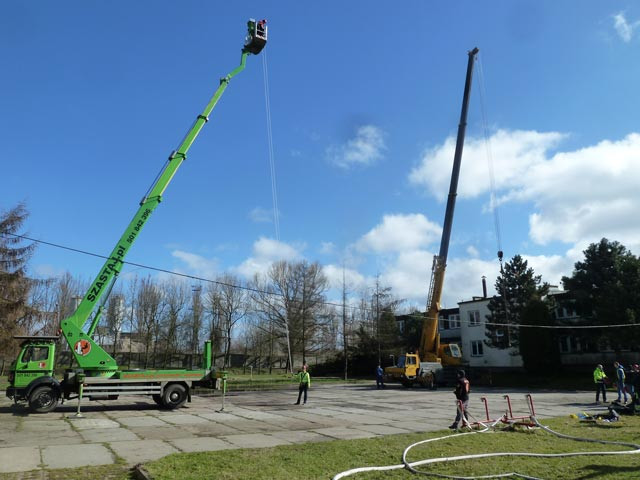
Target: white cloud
[353,279]
[266,251]
[261,215]
[579,195]
[363,150]
[472,251]
[327,248]
[45,270]
[554,267]
[586,194]
[400,233]
[624,29]
[513,153]
[196,264]
[409,276]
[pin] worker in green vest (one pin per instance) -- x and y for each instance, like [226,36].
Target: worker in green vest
[598,379]
[305,383]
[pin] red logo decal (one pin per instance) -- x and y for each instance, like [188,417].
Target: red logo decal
[82,347]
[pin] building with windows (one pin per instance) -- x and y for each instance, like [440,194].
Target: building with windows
[473,336]
[466,326]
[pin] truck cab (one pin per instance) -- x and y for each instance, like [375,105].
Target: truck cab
[33,368]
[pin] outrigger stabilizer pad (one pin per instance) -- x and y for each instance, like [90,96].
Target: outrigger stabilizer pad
[256,36]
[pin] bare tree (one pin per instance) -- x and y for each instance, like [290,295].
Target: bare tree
[274,298]
[42,317]
[212,303]
[291,296]
[196,321]
[114,318]
[231,307]
[148,311]
[311,305]
[176,297]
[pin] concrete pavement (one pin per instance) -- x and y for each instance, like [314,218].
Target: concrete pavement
[135,430]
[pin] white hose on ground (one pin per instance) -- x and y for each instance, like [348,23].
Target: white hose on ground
[410,465]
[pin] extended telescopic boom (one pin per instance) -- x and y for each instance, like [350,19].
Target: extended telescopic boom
[87,353]
[430,341]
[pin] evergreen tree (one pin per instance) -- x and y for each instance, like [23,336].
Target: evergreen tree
[606,290]
[538,346]
[517,286]
[14,283]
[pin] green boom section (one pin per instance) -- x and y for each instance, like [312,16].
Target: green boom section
[89,354]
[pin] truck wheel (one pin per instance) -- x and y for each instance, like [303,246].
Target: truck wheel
[43,399]
[175,396]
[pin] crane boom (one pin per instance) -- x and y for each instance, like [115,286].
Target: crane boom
[86,351]
[430,339]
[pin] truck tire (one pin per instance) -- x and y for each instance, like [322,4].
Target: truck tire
[174,396]
[43,399]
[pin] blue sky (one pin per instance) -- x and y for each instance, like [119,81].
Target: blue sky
[365,99]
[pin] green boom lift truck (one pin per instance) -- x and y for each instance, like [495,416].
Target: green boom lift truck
[97,376]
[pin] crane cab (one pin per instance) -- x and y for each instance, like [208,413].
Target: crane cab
[450,354]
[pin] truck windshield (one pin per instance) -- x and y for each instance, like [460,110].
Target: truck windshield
[35,354]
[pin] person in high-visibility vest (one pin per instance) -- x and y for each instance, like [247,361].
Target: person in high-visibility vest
[598,379]
[305,383]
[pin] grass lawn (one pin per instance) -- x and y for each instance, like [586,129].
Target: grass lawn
[325,459]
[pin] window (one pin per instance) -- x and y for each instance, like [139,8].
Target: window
[474,318]
[35,354]
[476,348]
[454,321]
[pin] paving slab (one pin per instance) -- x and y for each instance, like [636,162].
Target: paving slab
[184,419]
[142,450]
[74,456]
[145,421]
[247,426]
[301,436]
[341,433]
[355,419]
[209,429]
[382,429]
[19,459]
[255,440]
[93,423]
[197,444]
[161,433]
[101,435]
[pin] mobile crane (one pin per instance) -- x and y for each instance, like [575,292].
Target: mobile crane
[424,367]
[97,376]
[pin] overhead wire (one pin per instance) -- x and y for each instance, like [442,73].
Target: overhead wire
[265,292]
